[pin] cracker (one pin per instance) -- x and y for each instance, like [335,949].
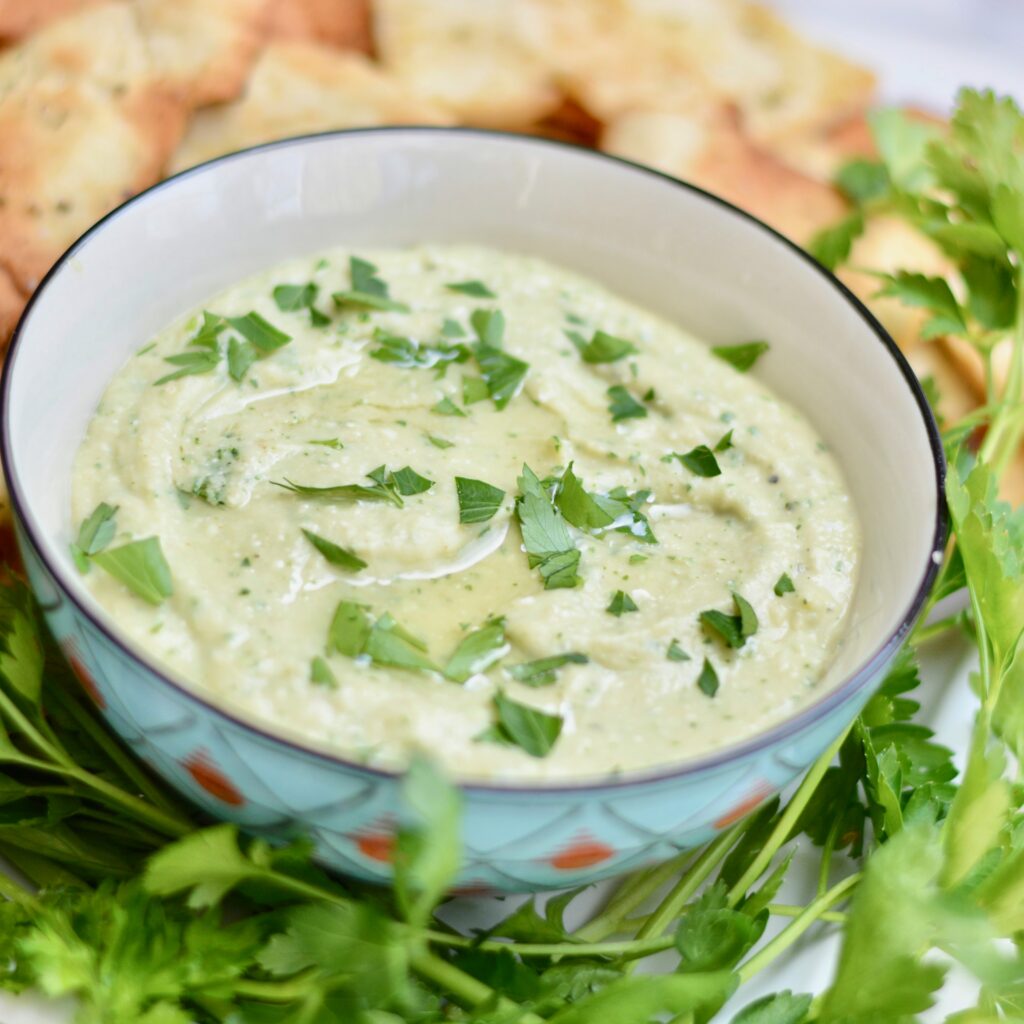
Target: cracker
[297,88]
[481,59]
[92,106]
[19,18]
[344,24]
[12,302]
[711,151]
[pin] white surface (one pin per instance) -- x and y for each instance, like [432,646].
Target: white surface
[922,50]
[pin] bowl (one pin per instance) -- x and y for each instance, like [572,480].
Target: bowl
[657,241]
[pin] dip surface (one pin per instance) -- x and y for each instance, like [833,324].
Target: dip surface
[355,389]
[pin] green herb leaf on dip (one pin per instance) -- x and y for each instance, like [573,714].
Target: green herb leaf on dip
[742,357]
[354,633]
[707,681]
[141,567]
[784,585]
[334,553]
[368,291]
[724,442]
[478,501]
[381,491]
[675,652]
[503,374]
[602,347]
[621,603]
[446,407]
[328,442]
[291,298]
[579,507]
[203,361]
[549,545]
[732,629]
[95,533]
[542,672]
[408,482]
[241,355]
[321,674]
[439,442]
[476,289]
[623,405]
[700,461]
[452,329]
[260,332]
[477,651]
[474,389]
[350,628]
[408,354]
[523,726]
[489,326]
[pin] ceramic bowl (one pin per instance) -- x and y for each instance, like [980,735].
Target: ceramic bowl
[664,244]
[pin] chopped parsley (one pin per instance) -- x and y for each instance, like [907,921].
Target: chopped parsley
[700,461]
[784,585]
[475,289]
[241,355]
[478,501]
[474,389]
[334,553]
[368,291]
[407,353]
[439,442]
[602,347]
[543,671]
[489,326]
[742,357]
[503,374]
[623,405]
[446,407]
[590,511]
[328,442]
[321,674]
[141,567]
[522,726]
[259,332]
[549,545]
[621,603]
[95,533]
[382,490]
[293,298]
[203,354]
[734,630]
[724,443]
[477,651]
[675,652]
[707,681]
[452,329]
[354,633]
[405,480]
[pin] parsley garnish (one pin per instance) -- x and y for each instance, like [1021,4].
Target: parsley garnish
[141,567]
[623,405]
[452,329]
[522,726]
[503,374]
[584,510]
[707,681]
[353,632]
[477,651]
[724,443]
[700,461]
[406,481]
[292,298]
[95,533]
[241,355]
[621,603]
[543,671]
[602,347]
[334,554]
[549,545]
[446,407]
[321,674]
[439,442]
[476,289]
[384,489]
[784,585]
[407,354]
[259,332]
[734,630]
[478,501]
[742,357]
[474,389]
[675,652]
[328,442]
[206,354]
[368,291]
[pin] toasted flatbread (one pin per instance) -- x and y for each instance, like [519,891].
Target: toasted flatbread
[482,59]
[19,18]
[341,23]
[297,88]
[710,150]
[92,106]
[12,302]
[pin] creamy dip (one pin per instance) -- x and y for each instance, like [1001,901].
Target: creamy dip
[321,613]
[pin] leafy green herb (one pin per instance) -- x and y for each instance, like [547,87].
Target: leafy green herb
[523,726]
[503,374]
[741,357]
[930,293]
[579,507]
[334,554]
[543,671]
[784,585]
[241,356]
[440,442]
[476,289]
[700,461]
[408,482]
[621,602]
[478,651]
[452,329]
[675,652]
[291,298]
[623,405]
[707,681]
[95,533]
[489,327]
[382,490]
[328,442]
[259,332]
[190,363]
[407,354]
[734,630]
[367,291]
[832,245]
[478,501]
[549,545]
[602,347]
[446,407]
[474,389]
[353,632]
[141,567]
[321,674]
[724,443]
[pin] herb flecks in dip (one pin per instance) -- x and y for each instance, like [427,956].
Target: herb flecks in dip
[460,501]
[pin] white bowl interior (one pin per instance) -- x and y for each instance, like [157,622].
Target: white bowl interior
[668,248]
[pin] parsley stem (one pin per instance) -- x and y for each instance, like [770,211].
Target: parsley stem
[164,822]
[284,991]
[10,890]
[786,822]
[794,910]
[13,713]
[922,634]
[827,853]
[811,913]
[629,948]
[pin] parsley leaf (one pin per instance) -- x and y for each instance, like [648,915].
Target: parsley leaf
[578,506]
[328,442]
[931,293]
[707,681]
[333,553]
[353,633]
[475,289]
[724,443]
[141,567]
[675,652]
[452,329]
[503,374]
[623,405]
[291,298]
[241,356]
[700,461]
[489,327]
[743,356]
[474,389]
[478,501]
[621,602]
[523,726]
[478,651]
[831,246]
[602,347]
[407,353]
[190,363]
[408,482]
[259,332]
[321,674]
[95,533]
[734,630]
[542,671]
[439,442]
[549,545]
[784,585]
[368,291]
[350,628]
[382,490]
[446,407]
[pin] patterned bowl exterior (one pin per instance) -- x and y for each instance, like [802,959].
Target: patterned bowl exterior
[515,840]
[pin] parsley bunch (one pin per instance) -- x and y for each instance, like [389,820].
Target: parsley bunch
[920,867]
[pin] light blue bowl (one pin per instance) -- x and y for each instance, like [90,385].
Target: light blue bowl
[666,245]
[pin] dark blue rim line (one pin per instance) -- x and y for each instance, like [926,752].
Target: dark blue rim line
[777,734]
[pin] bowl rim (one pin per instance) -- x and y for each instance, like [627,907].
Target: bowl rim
[671,772]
